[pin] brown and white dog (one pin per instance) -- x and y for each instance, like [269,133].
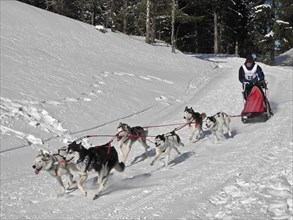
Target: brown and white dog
[127,136]
[195,120]
[216,123]
[55,164]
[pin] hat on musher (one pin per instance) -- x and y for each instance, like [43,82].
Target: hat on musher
[249,59]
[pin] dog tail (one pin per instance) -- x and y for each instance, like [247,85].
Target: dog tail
[203,115]
[179,141]
[120,167]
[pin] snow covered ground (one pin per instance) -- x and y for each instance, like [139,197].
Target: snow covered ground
[62,79]
[285,59]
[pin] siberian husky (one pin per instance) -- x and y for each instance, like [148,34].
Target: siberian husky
[56,166]
[164,144]
[195,120]
[101,159]
[127,136]
[216,123]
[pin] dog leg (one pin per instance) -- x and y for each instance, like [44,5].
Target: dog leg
[167,158]
[158,153]
[102,173]
[103,178]
[226,124]
[176,149]
[199,133]
[192,132]
[101,187]
[128,147]
[181,144]
[82,179]
[59,180]
[216,137]
[221,132]
[69,178]
[144,144]
[120,145]
[120,167]
[229,131]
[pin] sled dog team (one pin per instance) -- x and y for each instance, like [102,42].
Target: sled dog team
[102,159]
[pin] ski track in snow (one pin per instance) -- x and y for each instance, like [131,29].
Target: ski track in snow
[12,111]
[35,116]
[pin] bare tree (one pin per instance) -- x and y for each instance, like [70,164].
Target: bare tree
[216,44]
[93,10]
[154,8]
[173,26]
[147,34]
[125,23]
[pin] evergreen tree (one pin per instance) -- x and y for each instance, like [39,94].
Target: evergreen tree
[264,27]
[194,26]
[36,3]
[283,26]
[260,30]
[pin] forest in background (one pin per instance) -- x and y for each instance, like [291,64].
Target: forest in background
[263,27]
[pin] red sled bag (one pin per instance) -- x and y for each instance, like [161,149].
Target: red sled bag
[256,108]
[254,102]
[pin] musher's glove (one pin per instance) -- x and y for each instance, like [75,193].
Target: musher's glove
[245,84]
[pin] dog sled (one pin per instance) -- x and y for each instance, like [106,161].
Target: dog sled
[257,107]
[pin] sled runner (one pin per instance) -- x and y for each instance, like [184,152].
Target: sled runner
[257,107]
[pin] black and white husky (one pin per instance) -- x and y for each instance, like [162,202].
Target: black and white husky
[101,159]
[55,165]
[195,120]
[127,136]
[164,144]
[216,123]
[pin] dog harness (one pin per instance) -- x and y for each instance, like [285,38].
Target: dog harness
[134,133]
[54,162]
[193,121]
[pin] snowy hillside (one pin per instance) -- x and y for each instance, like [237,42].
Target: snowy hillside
[62,79]
[285,59]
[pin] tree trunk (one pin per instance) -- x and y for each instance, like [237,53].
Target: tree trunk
[125,16]
[93,18]
[216,46]
[153,21]
[173,26]
[147,34]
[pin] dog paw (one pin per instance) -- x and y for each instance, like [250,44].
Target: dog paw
[195,140]
[84,194]
[96,196]
[70,189]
